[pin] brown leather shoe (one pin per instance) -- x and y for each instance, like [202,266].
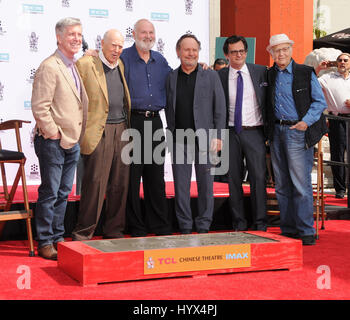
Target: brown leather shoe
[48,252]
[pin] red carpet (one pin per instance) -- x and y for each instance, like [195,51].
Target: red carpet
[47,282]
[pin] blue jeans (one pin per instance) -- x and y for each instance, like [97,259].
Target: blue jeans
[292,165]
[57,168]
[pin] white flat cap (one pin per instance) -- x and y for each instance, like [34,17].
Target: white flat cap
[278,39]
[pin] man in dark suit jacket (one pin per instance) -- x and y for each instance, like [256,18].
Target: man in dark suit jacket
[195,103]
[246,138]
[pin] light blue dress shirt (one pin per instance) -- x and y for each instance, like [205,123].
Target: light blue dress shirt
[285,108]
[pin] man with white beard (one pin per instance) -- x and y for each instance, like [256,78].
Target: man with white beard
[146,72]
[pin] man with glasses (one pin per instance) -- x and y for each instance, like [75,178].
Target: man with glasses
[245,89]
[295,105]
[336,88]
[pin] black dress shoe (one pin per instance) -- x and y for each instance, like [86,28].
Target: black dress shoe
[261,228]
[186,231]
[203,231]
[308,240]
[116,236]
[159,234]
[138,235]
[163,232]
[290,235]
[340,195]
[48,252]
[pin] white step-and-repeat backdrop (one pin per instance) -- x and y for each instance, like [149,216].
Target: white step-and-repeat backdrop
[27,36]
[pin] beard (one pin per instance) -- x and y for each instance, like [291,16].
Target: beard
[190,63]
[144,45]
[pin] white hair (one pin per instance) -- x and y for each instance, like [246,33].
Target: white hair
[316,56]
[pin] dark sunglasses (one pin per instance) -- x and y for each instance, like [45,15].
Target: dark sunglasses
[343,60]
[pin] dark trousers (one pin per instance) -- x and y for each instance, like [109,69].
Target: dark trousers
[155,217]
[251,145]
[337,143]
[183,156]
[105,174]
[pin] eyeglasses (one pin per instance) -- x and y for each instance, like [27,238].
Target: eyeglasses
[343,60]
[236,52]
[283,50]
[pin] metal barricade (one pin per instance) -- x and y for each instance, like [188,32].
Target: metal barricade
[344,164]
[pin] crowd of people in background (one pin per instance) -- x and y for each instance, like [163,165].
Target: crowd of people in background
[83,108]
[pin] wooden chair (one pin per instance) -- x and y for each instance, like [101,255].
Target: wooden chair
[319,205]
[6,197]
[319,194]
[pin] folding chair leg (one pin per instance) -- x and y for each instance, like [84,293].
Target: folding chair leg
[27,208]
[2,225]
[30,238]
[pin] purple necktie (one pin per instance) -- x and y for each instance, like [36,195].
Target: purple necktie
[238,107]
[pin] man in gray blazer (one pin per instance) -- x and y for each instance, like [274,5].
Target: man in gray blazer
[195,108]
[246,132]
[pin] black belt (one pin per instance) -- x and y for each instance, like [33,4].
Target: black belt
[346,115]
[251,127]
[248,127]
[286,122]
[146,113]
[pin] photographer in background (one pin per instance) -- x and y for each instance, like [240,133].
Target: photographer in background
[336,89]
[219,64]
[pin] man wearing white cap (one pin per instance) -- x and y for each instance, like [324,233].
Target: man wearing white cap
[295,124]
